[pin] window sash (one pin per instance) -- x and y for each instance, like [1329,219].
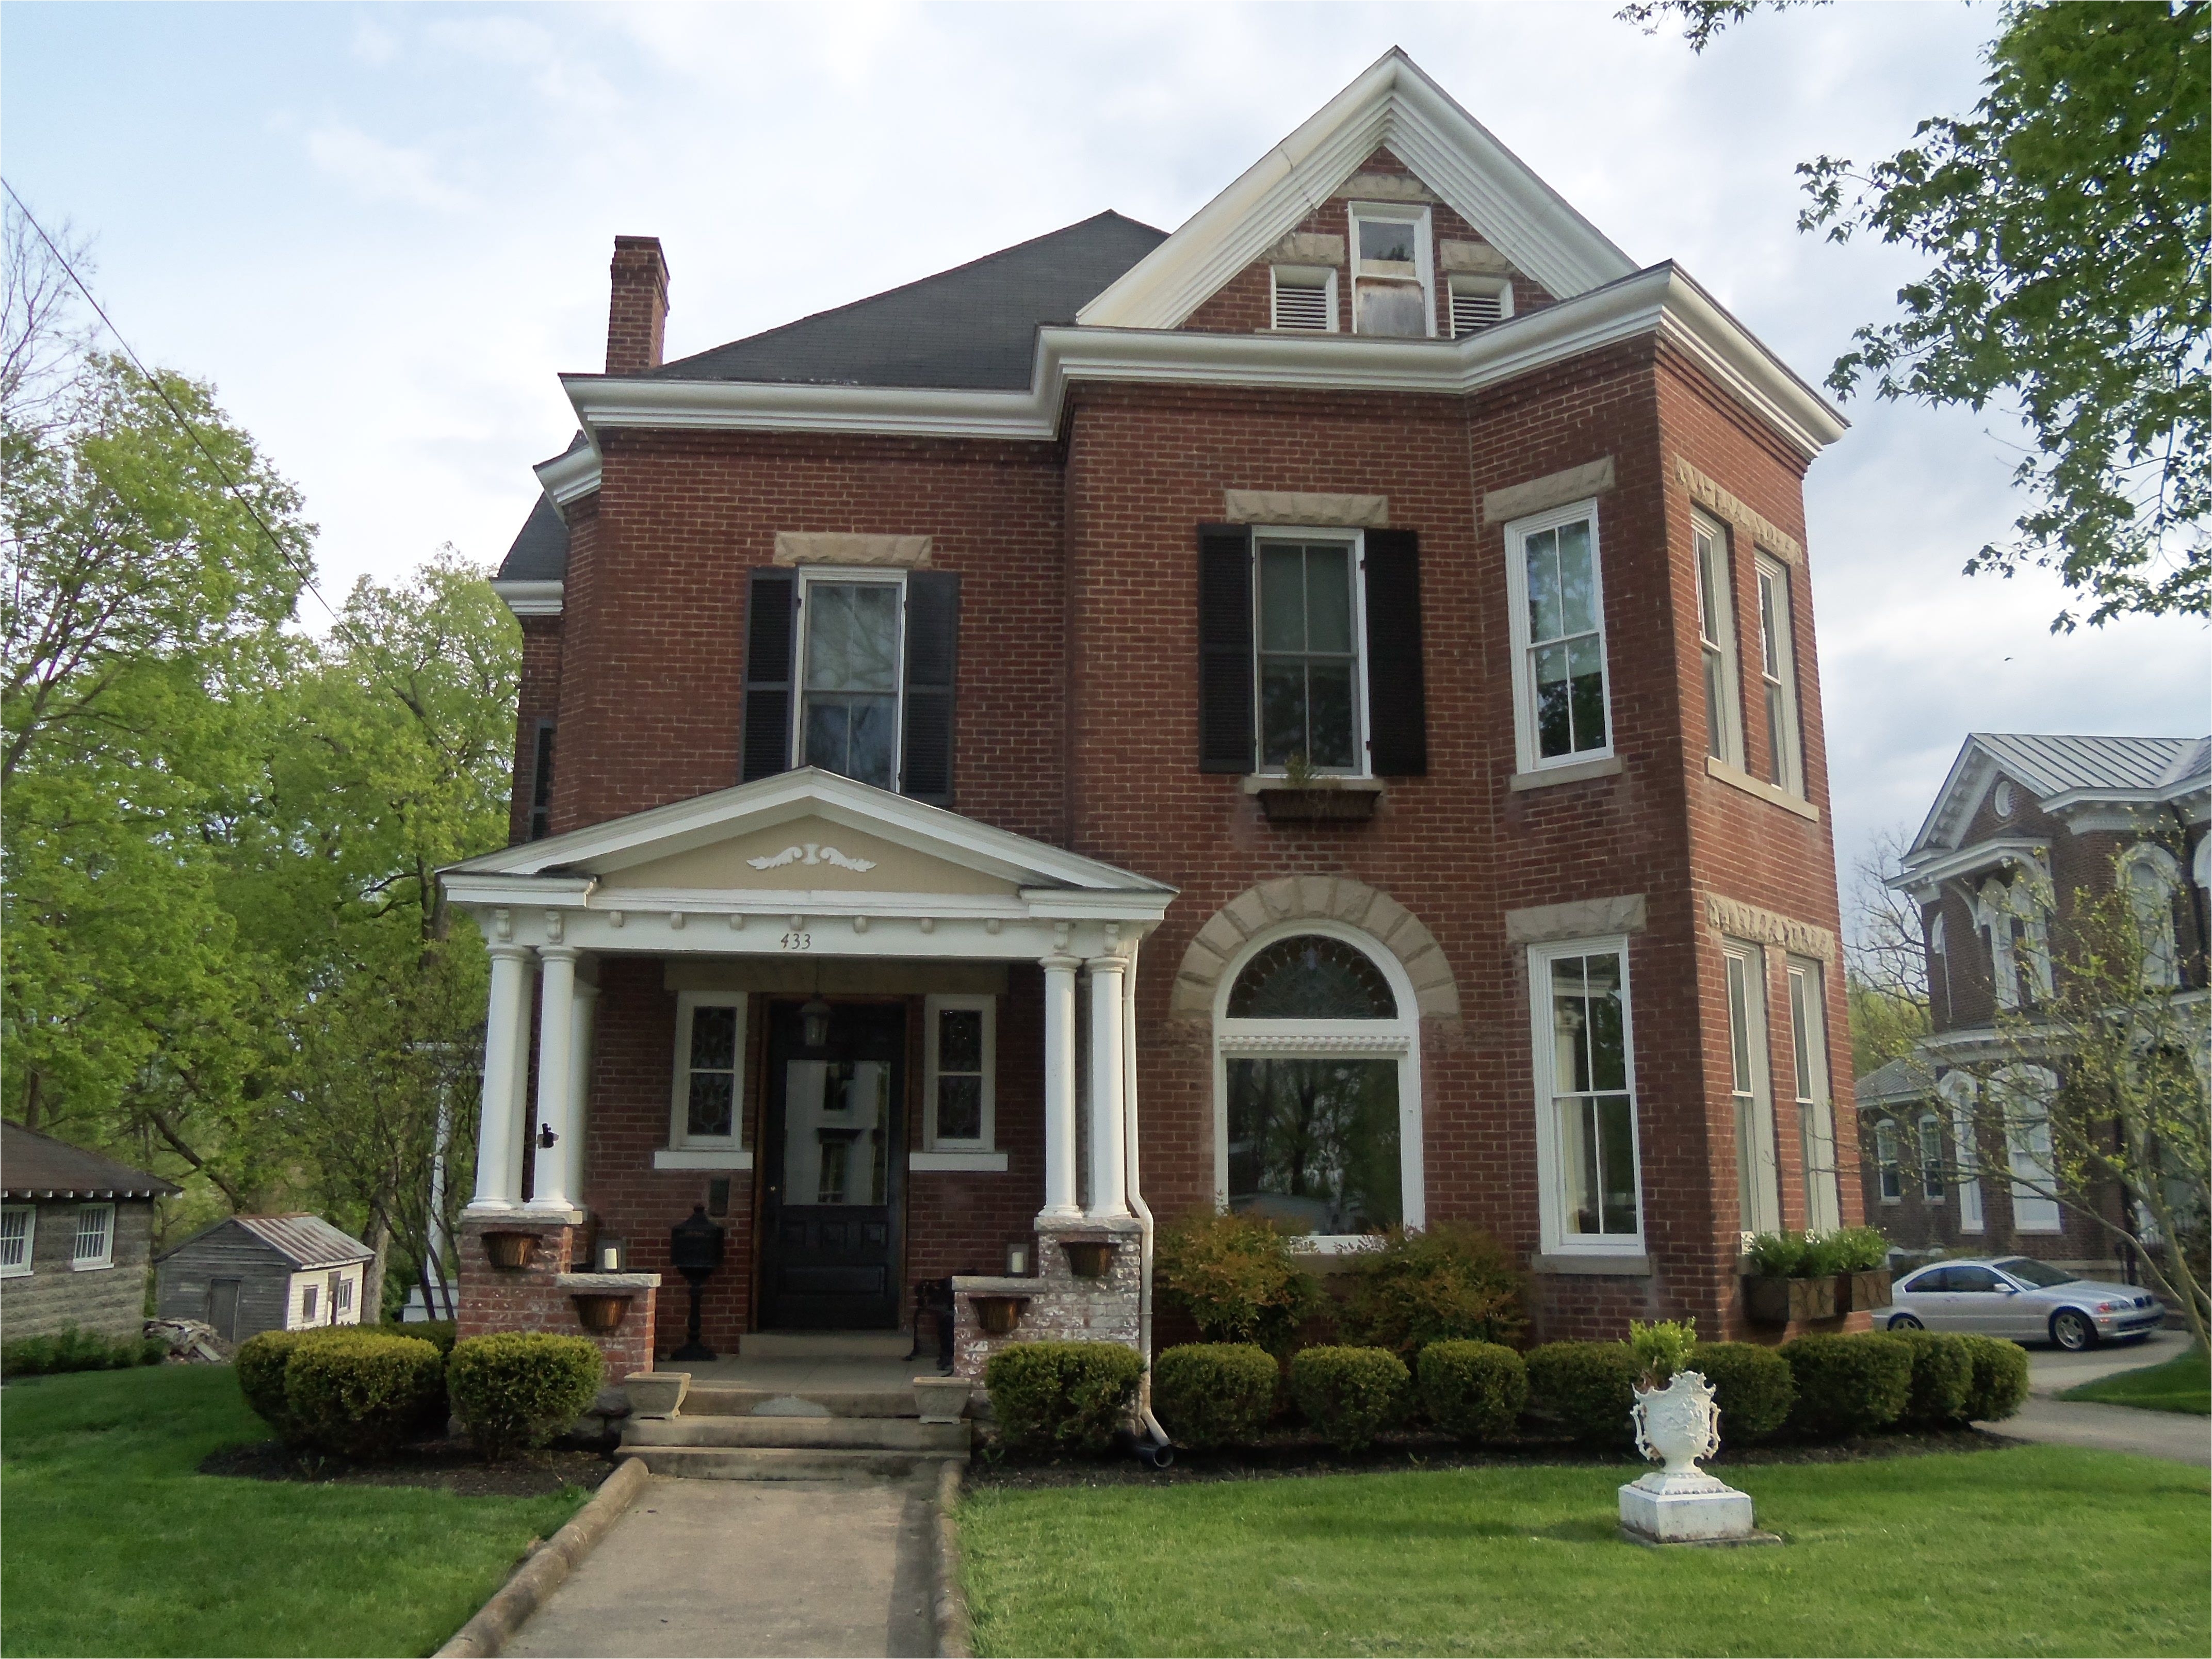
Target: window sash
[1717,642]
[680,1132]
[1570,647]
[985,1073]
[1961,1099]
[1381,279]
[1888,1173]
[94,1245]
[1758,1169]
[1816,1114]
[19,1230]
[1352,662]
[1931,1158]
[1778,668]
[1588,1142]
[824,716]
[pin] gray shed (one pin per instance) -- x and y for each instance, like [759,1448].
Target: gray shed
[263,1273]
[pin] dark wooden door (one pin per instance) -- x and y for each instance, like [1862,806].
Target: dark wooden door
[222,1308]
[833,1145]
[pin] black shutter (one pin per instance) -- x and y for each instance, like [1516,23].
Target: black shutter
[933,655]
[1397,712]
[1225,714]
[769,625]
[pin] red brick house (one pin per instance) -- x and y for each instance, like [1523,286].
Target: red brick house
[1340,677]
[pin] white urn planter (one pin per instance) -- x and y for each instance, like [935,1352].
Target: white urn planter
[1678,1503]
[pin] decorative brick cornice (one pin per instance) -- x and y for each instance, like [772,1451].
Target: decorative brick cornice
[1749,922]
[1714,499]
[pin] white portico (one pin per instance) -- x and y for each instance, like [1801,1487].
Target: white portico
[800,870]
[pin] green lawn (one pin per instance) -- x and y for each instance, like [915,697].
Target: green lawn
[2183,1383]
[113,1544]
[2040,1550]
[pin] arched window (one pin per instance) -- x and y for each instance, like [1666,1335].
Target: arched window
[1886,1170]
[1318,1085]
[2013,918]
[2148,876]
[1957,1089]
[1931,1157]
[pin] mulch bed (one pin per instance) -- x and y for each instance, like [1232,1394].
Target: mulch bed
[1287,1455]
[447,1465]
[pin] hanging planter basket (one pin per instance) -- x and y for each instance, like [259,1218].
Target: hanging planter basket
[997,1314]
[510,1250]
[1088,1258]
[599,1312]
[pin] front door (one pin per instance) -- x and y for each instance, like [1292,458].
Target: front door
[831,1209]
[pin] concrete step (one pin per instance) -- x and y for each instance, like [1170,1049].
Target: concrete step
[861,1433]
[786,1462]
[712,1400]
[825,1344]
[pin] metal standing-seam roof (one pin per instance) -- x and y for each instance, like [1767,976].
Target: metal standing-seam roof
[34,1165]
[305,1240]
[2054,765]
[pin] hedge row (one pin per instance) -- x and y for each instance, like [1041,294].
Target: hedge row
[353,1392]
[1073,1396]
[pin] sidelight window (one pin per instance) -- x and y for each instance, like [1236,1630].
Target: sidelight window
[1557,613]
[960,1058]
[1309,655]
[1590,1195]
[706,1109]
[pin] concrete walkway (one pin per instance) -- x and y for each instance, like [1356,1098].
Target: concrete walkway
[2177,1437]
[739,1568]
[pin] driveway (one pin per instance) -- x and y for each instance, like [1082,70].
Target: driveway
[2176,1437]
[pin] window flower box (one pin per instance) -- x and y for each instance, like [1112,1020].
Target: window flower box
[1315,797]
[1789,1301]
[1861,1292]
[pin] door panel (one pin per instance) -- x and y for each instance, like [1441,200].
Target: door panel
[222,1308]
[833,1203]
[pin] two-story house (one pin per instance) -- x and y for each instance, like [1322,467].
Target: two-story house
[1317,713]
[2024,829]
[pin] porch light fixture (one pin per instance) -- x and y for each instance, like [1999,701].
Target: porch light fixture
[814,1025]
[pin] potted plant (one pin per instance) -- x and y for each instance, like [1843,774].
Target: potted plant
[1859,1257]
[510,1250]
[1305,794]
[1777,1289]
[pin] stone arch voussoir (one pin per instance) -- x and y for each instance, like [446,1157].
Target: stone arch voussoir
[1313,898]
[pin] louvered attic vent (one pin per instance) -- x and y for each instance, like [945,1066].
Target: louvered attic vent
[1473,311]
[1299,305]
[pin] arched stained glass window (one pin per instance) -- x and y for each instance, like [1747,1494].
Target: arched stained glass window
[1311,976]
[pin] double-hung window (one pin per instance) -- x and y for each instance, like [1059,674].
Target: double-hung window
[1391,271]
[308,1303]
[1960,1093]
[706,1106]
[848,704]
[1590,1197]
[1816,1117]
[1931,1157]
[1557,610]
[960,1050]
[19,1229]
[96,1237]
[1717,642]
[1786,750]
[1309,655]
[1888,1174]
[1758,1167]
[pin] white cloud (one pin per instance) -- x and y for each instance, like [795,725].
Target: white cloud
[382,172]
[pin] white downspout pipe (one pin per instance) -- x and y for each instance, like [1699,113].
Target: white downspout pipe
[1143,1211]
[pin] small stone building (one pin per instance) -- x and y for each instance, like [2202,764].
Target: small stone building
[263,1273]
[76,1231]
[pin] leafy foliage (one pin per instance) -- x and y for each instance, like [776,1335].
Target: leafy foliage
[1063,1396]
[358,1393]
[1662,1348]
[74,1350]
[517,1389]
[1215,1394]
[1236,1278]
[1586,1389]
[259,1366]
[1472,1389]
[1752,1385]
[1442,1283]
[1848,1385]
[1942,1377]
[1349,1394]
[1999,1388]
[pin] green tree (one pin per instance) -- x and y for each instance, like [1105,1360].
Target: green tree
[2066,221]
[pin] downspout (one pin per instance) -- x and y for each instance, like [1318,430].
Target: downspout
[1161,1451]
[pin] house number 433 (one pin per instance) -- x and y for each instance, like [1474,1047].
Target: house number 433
[798,940]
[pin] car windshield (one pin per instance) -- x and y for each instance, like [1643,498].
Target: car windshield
[2041,1274]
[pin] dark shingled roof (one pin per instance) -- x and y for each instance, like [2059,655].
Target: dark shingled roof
[33,1165]
[972,327]
[540,553]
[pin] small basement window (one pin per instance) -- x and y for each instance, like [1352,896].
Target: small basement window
[1304,298]
[1479,303]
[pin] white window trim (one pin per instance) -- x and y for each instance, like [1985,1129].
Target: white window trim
[1887,1166]
[1304,276]
[1517,593]
[1930,1128]
[2036,1085]
[1957,1091]
[1398,1039]
[1361,747]
[1708,532]
[2020,896]
[1424,269]
[686,1150]
[836,575]
[1764,1180]
[106,1256]
[1557,1239]
[2161,954]
[1791,751]
[1816,1112]
[1497,287]
[932,1005]
[23,1268]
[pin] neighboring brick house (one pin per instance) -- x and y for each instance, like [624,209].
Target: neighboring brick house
[2023,827]
[1381,601]
[76,1230]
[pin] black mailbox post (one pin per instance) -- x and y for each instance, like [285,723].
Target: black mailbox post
[694,1250]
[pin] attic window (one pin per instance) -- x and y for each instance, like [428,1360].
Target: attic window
[1304,298]
[1477,302]
[1390,270]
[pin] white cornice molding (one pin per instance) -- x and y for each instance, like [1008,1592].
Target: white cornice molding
[572,477]
[1662,299]
[1922,877]
[536,598]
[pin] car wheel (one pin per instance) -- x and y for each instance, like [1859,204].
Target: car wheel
[2072,1331]
[1905,1322]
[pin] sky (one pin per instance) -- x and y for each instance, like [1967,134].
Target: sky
[381,231]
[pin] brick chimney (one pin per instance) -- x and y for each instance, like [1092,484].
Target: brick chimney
[638,313]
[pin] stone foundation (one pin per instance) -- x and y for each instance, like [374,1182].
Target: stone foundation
[535,1297]
[1060,1307]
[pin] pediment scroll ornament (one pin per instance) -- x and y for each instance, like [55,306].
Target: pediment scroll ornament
[812,852]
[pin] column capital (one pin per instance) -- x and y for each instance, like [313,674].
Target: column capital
[561,952]
[1108,965]
[508,950]
[1060,962]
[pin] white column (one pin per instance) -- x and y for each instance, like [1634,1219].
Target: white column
[556,1024]
[579,1085]
[1059,1089]
[1109,1169]
[499,1124]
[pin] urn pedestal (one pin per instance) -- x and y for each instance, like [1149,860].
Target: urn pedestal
[1678,1503]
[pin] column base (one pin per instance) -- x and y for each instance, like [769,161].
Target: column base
[1058,1304]
[533,1297]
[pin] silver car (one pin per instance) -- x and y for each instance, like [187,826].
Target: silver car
[2017,1296]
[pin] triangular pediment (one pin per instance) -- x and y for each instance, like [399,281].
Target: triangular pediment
[1394,106]
[805,831]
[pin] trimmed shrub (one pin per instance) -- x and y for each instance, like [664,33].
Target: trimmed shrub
[70,1349]
[1349,1395]
[1235,1277]
[1999,1387]
[359,1393]
[259,1363]
[1586,1389]
[1214,1394]
[1752,1385]
[1063,1396]
[516,1389]
[440,1333]
[1472,1389]
[1942,1377]
[1848,1385]
[1444,1283]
